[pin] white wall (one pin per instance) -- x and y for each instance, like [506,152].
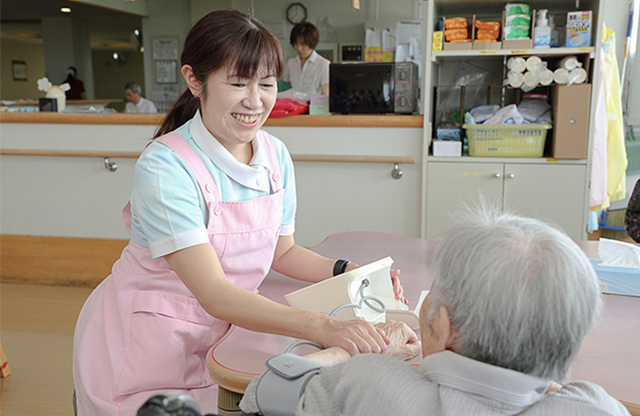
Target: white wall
[28,51]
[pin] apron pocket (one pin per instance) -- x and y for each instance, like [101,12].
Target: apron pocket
[167,347]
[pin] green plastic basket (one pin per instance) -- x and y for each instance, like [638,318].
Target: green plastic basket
[506,140]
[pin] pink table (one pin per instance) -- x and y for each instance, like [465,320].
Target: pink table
[610,355]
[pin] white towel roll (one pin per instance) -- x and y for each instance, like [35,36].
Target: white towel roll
[570,63]
[546,77]
[517,64]
[534,64]
[561,76]
[578,76]
[531,79]
[515,79]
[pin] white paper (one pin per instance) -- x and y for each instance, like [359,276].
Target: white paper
[618,253]
[372,39]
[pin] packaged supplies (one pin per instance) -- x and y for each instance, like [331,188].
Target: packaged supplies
[506,115]
[486,25]
[516,8]
[491,35]
[516,32]
[455,34]
[481,113]
[532,110]
[578,29]
[455,23]
[518,20]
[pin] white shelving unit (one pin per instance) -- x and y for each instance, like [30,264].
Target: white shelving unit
[553,190]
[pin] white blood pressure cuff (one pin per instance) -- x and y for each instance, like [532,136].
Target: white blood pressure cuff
[283,383]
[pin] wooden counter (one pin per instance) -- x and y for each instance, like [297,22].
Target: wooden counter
[155,119]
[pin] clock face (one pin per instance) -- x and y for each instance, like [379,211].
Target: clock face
[296,13]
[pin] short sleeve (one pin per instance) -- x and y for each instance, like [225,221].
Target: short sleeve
[167,211]
[289,186]
[324,74]
[286,74]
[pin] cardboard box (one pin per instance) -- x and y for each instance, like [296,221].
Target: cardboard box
[447,148]
[617,280]
[571,107]
[487,45]
[578,29]
[517,44]
[457,46]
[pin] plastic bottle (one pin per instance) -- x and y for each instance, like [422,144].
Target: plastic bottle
[553,40]
[542,31]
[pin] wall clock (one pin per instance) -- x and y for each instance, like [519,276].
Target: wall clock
[296,13]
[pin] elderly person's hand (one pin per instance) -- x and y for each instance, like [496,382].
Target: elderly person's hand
[404,342]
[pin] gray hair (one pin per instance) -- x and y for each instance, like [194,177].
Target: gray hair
[135,88]
[521,294]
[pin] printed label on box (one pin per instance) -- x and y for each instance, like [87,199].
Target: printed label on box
[578,29]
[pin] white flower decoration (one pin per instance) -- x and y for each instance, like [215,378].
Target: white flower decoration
[65,86]
[44,84]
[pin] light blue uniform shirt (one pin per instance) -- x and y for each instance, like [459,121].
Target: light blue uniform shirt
[168,211]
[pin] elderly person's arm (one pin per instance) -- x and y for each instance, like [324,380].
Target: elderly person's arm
[288,374]
[404,345]
[632,217]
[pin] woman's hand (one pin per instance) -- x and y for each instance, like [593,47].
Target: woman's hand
[404,342]
[354,335]
[397,287]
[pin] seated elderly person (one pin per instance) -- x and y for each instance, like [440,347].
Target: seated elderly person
[511,302]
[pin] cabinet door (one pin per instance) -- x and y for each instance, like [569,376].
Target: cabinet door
[450,185]
[552,193]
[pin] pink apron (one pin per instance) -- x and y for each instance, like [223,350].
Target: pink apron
[141,332]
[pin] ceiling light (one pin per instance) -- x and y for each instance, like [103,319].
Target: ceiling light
[65,10]
[136,32]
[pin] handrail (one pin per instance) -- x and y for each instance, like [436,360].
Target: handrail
[410,160]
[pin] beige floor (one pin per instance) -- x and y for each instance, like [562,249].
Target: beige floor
[36,331]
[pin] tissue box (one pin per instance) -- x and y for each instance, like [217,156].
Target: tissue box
[319,105]
[617,280]
[447,148]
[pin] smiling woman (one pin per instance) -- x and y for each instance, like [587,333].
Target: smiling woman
[211,211]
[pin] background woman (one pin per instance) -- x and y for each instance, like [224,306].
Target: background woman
[308,72]
[212,209]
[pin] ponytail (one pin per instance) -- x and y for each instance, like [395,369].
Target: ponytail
[182,111]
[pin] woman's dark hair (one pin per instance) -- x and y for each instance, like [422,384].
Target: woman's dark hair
[221,38]
[305,33]
[72,73]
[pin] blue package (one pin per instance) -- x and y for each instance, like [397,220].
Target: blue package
[443,133]
[617,280]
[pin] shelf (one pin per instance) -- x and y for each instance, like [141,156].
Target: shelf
[510,52]
[528,160]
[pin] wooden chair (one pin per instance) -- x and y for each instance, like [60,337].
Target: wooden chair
[4,365]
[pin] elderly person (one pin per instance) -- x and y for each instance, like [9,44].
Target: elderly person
[511,302]
[632,216]
[137,103]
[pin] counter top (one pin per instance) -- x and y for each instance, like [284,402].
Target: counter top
[377,120]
